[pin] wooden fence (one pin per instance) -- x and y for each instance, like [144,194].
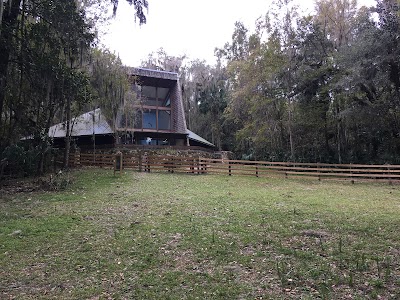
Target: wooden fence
[316,170]
[199,165]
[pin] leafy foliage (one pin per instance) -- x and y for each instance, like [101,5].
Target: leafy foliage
[323,87]
[45,48]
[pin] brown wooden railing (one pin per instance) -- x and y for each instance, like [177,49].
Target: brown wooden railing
[316,170]
[199,165]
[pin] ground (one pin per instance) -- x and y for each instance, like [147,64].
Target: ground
[177,236]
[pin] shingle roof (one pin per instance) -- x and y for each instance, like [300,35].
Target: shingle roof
[152,73]
[193,136]
[83,125]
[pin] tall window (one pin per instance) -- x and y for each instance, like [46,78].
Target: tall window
[154,111]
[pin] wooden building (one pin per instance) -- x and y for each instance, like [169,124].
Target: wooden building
[154,116]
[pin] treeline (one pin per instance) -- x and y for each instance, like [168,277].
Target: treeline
[317,88]
[322,88]
[51,71]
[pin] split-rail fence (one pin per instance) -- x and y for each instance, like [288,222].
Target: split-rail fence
[200,165]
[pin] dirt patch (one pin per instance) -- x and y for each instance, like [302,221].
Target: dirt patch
[52,182]
[315,233]
[20,186]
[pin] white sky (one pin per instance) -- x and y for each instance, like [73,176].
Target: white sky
[190,27]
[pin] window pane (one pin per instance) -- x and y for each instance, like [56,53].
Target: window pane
[166,102]
[149,91]
[149,119]
[164,120]
[163,142]
[162,93]
[149,95]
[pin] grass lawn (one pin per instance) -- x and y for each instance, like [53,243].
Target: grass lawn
[171,236]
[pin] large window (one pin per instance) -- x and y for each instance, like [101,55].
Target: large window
[154,111]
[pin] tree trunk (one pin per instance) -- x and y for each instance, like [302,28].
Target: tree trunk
[67,133]
[94,136]
[49,110]
[326,135]
[8,25]
[339,138]
[290,131]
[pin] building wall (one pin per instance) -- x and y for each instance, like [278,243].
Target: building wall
[178,113]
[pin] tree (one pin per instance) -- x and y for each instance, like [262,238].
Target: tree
[43,49]
[212,101]
[111,89]
[17,14]
[323,89]
[160,60]
[336,17]
[140,7]
[313,79]
[47,49]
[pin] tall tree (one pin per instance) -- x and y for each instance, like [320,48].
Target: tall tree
[15,15]
[112,90]
[212,101]
[43,49]
[48,46]
[336,17]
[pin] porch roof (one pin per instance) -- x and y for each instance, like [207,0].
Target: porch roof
[92,122]
[193,136]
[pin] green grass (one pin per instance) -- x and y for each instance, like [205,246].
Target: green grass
[171,236]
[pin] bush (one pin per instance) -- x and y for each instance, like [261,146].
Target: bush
[22,160]
[57,182]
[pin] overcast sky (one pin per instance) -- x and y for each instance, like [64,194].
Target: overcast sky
[188,27]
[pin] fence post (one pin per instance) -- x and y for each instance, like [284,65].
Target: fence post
[351,174]
[203,167]
[200,166]
[230,169]
[118,163]
[390,175]
[101,160]
[77,157]
[140,161]
[256,170]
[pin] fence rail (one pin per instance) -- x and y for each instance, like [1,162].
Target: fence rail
[199,165]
